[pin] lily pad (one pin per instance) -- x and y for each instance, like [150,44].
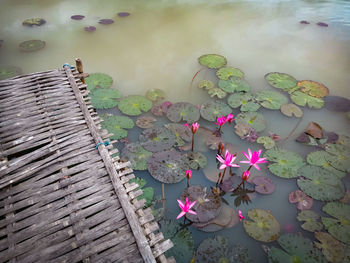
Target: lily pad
[104,98]
[123,14]
[159,109]
[311,219]
[207,207]
[106,21]
[210,110]
[291,109]
[243,100]
[9,72]
[90,28]
[339,225]
[297,249]
[183,111]
[33,22]
[337,103]
[157,139]
[242,130]
[304,201]
[315,130]
[324,160]
[145,122]
[322,24]
[134,105]
[303,99]
[263,185]
[212,61]
[281,81]
[331,248]
[231,183]
[254,119]
[77,17]
[228,72]
[206,84]
[320,184]
[341,153]
[216,92]
[155,94]
[137,155]
[31,45]
[183,134]
[117,125]
[168,166]
[196,160]
[271,99]
[268,142]
[264,227]
[234,84]
[147,192]
[98,80]
[286,163]
[313,88]
[182,239]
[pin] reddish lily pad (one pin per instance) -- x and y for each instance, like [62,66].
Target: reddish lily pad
[159,109]
[106,21]
[264,185]
[32,45]
[337,103]
[304,22]
[315,130]
[77,17]
[145,122]
[157,139]
[210,110]
[313,88]
[291,109]
[183,111]
[123,14]
[304,201]
[311,219]
[90,28]
[212,61]
[322,24]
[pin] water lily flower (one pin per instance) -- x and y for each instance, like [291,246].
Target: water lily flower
[188,175]
[186,208]
[194,129]
[228,161]
[229,118]
[220,120]
[245,175]
[254,158]
[241,217]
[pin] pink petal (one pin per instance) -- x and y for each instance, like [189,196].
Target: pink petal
[180,204]
[244,161]
[192,212]
[181,215]
[220,158]
[191,205]
[223,166]
[256,166]
[246,156]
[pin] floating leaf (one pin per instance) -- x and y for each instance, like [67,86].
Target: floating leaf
[9,72]
[161,108]
[331,248]
[206,84]
[228,72]
[90,28]
[167,166]
[147,192]
[183,111]
[137,155]
[311,220]
[315,130]
[271,99]
[123,14]
[324,160]
[34,22]
[242,130]
[339,227]
[232,182]
[155,94]
[104,98]
[196,160]
[117,125]
[281,81]
[145,122]
[77,17]
[266,141]
[336,103]
[253,119]
[217,92]
[341,153]
[243,100]
[207,205]
[212,61]
[134,105]
[264,185]
[297,249]
[322,24]
[263,227]
[106,21]
[98,80]
[210,110]
[304,202]
[303,99]
[320,184]
[182,239]
[157,139]
[313,88]
[31,45]
[286,163]
[183,134]
[291,109]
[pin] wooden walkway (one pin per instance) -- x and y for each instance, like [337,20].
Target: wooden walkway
[61,199]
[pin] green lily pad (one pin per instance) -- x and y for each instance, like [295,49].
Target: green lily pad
[34,22]
[31,45]
[210,110]
[206,84]
[183,111]
[157,139]
[183,134]
[243,100]
[155,94]
[326,161]
[228,72]
[291,109]
[104,98]
[168,166]
[136,154]
[331,248]
[182,239]
[234,84]
[9,72]
[264,227]
[320,184]
[253,119]
[266,141]
[281,81]
[339,225]
[98,80]
[134,105]
[303,99]
[313,88]
[117,125]
[311,220]
[341,154]
[147,192]
[218,249]
[212,61]
[216,92]
[286,163]
[271,99]
[196,160]
[297,249]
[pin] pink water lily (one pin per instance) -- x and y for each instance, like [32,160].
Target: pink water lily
[254,158]
[229,118]
[228,161]
[188,176]
[194,129]
[245,175]
[220,120]
[186,208]
[241,217]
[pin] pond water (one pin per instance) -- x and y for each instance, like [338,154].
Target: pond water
[157,47]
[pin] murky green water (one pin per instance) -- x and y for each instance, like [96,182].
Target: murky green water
[157,46]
